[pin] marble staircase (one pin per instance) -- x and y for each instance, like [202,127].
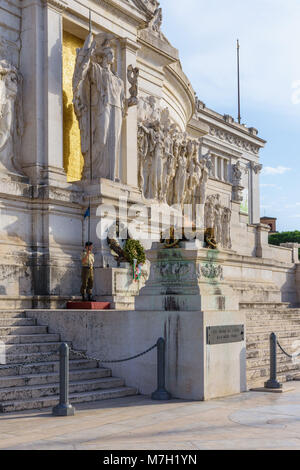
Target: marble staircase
[29,378]
[261,320]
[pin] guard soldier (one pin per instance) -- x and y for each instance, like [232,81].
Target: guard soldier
[87,273]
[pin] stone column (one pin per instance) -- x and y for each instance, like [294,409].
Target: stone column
[41,66]
[53,10]
[255,170]
[31,66]
[129,154]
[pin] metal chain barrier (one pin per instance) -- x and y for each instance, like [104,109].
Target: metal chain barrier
[93,358]
[273,383]
[65,409]
[293,356]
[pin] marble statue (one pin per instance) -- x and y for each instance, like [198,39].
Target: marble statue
[236,174]
[218,218]
[226,234]
[237,188]
[11,115]
[94,81]
[132,77]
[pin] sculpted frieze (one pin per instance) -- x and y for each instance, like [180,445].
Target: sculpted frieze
[171,167]
[232,139]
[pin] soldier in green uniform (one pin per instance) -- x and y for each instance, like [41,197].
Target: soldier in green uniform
[87,273]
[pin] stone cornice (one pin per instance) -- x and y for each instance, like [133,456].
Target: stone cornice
[233,139]
[58,5]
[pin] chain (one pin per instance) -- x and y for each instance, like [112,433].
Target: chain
[93,358]
[82,355]
[284,352]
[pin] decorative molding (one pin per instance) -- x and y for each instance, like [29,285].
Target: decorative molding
[57,5]
[233,140]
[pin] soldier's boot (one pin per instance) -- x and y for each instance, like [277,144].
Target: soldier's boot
[90,298]
[83,297]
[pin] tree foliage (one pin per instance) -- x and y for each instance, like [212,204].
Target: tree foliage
[285,237]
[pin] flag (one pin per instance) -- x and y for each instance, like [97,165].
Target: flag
[87,212]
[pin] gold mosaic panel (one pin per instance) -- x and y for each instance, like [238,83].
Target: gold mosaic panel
[73,158]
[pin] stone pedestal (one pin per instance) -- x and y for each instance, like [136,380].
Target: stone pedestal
[190,285]
[116,286]
[186,280]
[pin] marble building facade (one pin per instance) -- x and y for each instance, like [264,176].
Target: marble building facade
[168,148]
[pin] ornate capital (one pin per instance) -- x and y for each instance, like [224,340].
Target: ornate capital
[257,168]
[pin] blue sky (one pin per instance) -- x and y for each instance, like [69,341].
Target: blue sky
[269,32]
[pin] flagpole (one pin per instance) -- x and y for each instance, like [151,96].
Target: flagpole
[91,138]
[238,80]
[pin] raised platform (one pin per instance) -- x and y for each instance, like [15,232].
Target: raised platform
[88,305]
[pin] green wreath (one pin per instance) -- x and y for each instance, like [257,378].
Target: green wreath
[134,250]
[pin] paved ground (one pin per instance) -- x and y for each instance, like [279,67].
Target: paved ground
[248,421]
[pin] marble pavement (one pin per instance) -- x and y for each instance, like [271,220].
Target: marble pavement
[248,421]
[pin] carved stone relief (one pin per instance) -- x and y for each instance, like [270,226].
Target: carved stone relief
[11,113]
[171,167]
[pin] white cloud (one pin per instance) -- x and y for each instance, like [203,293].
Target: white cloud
[279,170]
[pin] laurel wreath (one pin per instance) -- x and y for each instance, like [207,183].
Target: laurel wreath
[134,250]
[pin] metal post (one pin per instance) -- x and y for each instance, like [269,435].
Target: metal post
[64,408]
[161,393]
[273,382]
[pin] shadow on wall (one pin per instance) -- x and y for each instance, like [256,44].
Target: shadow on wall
[243,369]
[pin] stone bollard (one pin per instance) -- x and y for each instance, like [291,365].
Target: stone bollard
[273,382]
[63,408]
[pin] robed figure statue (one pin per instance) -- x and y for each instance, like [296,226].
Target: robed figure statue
[11,116]
[95,83]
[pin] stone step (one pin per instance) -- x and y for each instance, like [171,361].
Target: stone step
[52,378]
[277,321]
[265,337]
[282,378]
[44,367]
[22,330]
[255,362]
[29,348]
[263,341]
[25,339]
[47,402]
[17,322]
[40,391]
[264,305]
[265,371]
[264,314]
[12,314]
[270,329]
[35,357]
